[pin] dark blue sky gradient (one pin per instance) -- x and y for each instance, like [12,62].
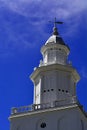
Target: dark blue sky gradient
[21,38]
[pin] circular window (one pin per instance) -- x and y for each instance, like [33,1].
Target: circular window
[43,125]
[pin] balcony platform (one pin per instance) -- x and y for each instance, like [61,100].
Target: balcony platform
[37,107]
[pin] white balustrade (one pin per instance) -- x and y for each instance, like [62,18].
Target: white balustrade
[35,107]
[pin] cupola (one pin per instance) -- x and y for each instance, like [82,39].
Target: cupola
[55,50]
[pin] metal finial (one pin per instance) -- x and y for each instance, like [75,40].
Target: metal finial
[56,22]
[55,31]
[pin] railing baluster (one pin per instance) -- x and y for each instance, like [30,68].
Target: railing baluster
[59,103]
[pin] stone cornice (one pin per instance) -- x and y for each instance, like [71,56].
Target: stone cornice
[58,46]
[43,111]
[55,67]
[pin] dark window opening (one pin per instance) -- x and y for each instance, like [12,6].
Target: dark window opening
[48,90]
[43,125]
[59,89]
[66,91]
[62,90]
[52,89]
[44,91]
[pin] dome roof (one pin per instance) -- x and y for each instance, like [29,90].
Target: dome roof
[55,39]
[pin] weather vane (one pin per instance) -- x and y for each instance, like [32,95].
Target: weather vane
[55,31]
[56,22]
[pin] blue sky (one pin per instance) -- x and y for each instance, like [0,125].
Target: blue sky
[24,28]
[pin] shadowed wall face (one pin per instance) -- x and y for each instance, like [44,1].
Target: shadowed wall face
[68,119]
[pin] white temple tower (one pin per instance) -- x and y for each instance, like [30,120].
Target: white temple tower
[55,104]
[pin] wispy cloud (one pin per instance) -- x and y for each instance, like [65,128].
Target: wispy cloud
[43,10]
[83,73]
[37,13]
[63,8]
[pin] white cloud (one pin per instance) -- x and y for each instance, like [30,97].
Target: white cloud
[48,9]
[51,8]
[83,73]
[39,12]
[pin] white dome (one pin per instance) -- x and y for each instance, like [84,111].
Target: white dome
[55,39]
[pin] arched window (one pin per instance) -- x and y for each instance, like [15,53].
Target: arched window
[43,125]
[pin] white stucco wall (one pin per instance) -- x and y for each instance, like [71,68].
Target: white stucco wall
[55,55]
[53,85]
[67,119]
